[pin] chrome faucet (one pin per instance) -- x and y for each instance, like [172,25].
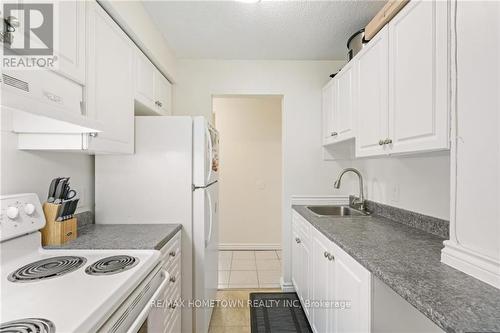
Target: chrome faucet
[358,203]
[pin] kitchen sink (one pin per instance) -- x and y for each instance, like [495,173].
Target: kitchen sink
[336,211]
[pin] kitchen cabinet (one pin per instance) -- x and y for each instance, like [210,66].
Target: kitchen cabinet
[338,107]
[327,105]
[418,78]
[402,84]
[70,50]
[153,92]
[336,286]
[372,95]
[110,88]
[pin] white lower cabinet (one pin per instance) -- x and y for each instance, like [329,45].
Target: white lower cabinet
[166,317]
[335,289]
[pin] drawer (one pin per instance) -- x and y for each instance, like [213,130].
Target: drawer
[174,323]
[171,250]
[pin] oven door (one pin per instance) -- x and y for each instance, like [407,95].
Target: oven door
[134,311]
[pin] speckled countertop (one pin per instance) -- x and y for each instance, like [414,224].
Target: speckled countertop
[121,236]
[408,261]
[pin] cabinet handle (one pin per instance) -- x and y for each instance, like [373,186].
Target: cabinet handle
[93,134]
[160,104]
[330,257]
[334,134]
[387,141]
[297,240]
[326,254]
[172,279]
[172,254]
[381,142]
[172,306]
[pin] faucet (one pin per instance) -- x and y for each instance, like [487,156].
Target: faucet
[358,203]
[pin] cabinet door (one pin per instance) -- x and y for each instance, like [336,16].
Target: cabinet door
[371,95]
[352,283]
[343,111]
[163,94]
[418,81]
[71,48]
[322,284]
[110,86]
[144,80]
[327,111]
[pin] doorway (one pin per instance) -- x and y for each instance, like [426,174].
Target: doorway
[250,192]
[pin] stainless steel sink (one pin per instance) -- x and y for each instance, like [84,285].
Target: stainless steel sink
[336,211]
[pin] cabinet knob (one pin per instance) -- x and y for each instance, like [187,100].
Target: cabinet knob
[172,279]
[326,254]
[387,141]
[330,257]
[334,134]
[297,240]
[381,142]
[160,104]
[172,254]
[93,134]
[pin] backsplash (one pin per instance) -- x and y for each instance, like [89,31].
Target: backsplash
[432,225]
[84,218]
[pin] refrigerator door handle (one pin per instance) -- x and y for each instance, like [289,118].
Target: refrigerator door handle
[210,152]
[210,219]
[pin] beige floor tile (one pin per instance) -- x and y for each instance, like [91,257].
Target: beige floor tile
[269,277]
[243,265]
[225,255]
[268,265]
[224,277]
[243,254]
[266,255]
[243,279]
[225,265]
[230,317]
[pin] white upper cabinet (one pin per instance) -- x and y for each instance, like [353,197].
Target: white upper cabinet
[343,111]
[402,84]
[110,93]
[153,92]
[163,94]
[327,106]
[418,78]
[71,47]
[144,80]
[371,95]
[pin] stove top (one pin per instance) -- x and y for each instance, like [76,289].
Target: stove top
[47,268]
[28,325]
[53,284]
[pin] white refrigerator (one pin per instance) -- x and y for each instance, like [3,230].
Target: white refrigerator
[171,178]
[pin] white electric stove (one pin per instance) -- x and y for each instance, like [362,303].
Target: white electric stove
[69,290]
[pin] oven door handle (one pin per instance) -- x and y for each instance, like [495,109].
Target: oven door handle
[136,325]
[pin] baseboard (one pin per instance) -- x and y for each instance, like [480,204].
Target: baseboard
[248,246]
[286,286]
[320,200]
[471,263]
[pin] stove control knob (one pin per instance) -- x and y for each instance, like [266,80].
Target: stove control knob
[29,209]
[12,212]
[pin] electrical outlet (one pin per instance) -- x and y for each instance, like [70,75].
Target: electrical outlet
[395,193]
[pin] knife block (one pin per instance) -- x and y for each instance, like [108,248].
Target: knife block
[57,232]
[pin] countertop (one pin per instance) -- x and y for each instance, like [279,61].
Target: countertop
[121,236]
[408,261]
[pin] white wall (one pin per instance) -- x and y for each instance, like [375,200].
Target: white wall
[32,171]
[300,83]
[419,182]
[250,171]
[135,20]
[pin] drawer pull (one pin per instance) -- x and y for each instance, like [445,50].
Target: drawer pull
[172,254]
[172,279]
[326,254]
[330,257]
[172,306]
[297,240]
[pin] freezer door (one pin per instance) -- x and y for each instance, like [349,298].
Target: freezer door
[206,239]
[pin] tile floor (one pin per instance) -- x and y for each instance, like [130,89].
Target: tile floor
[249,269]
[235,318]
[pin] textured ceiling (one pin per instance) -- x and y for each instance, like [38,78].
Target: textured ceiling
[308,30]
